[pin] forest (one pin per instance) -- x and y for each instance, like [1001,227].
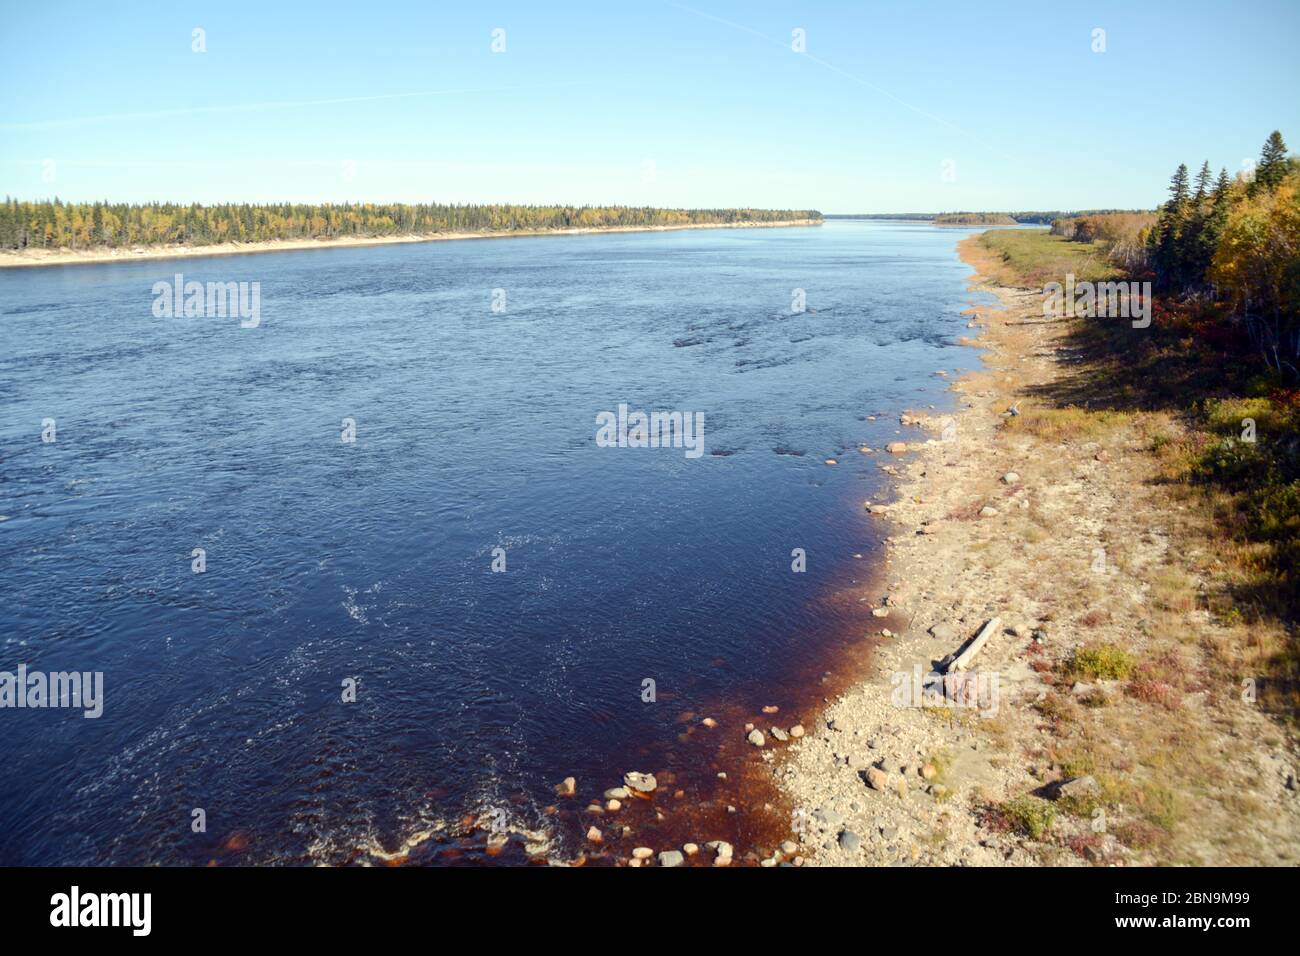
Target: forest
[1225,249]
[53,224]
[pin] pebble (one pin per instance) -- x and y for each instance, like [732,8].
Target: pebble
[721,847]
[876,778]
[641,782]
[566,787]
[613,806]
[896,447]
[988,511]
[594,835]
[756,738]
[849,841]
[780,734]
[709,722]
[1076,787]
[617,793]
[1010,478]
[796,731]
[880,612]
[771,709]
[642,853]
[690,849]
[671,858]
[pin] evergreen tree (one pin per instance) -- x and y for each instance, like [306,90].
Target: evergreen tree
[1196,249]
[1178,189]
[1203,181]
[1221,186]
[1172,227]
[1272,166]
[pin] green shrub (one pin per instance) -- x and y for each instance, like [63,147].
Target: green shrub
[1102,662]
[1029,815]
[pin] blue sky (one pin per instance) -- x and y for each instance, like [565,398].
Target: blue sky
[650,102]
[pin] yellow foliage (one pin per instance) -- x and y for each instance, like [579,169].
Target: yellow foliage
[1257,262]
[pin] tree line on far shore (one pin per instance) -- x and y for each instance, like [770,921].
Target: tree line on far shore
[1229,246]
[53,224]
[969,217]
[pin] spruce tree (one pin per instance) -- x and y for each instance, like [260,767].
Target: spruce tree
[1203,181]
[1221,187]
[1177,203]
[1172,227]
[1197,247]
[1272,162]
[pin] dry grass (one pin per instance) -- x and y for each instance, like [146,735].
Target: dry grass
[1203,616]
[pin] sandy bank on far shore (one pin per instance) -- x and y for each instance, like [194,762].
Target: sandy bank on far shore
[68,257]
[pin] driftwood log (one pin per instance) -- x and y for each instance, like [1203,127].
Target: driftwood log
[962,657]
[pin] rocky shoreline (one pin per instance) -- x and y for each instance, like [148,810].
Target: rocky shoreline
[888,781]
[993,532]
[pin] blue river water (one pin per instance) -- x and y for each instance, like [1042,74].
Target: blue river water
[329,561]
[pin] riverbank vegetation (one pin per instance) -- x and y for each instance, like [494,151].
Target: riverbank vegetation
[1213,381]
[1224,250]
[974,219]
[1024,217]
[53,224]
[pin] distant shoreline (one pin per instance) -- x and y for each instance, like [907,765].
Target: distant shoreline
[68,257]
